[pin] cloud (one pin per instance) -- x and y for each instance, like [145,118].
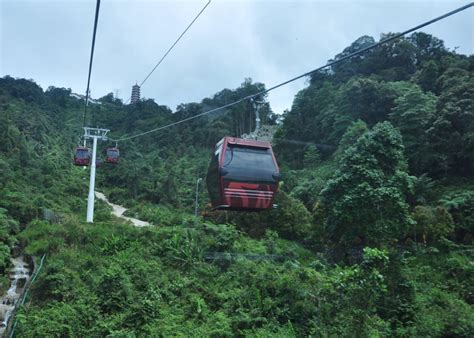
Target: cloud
[269,41]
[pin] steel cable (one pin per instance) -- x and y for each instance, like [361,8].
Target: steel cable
[332,63]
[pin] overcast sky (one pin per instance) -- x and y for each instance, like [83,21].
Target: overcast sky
[269,41]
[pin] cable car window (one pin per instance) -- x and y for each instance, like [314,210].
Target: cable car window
[249,158]
[112,153]
[82,153]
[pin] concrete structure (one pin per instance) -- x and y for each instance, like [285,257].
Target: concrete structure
[94,134]
[83,97]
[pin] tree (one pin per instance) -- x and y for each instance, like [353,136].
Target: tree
[58,96]
[366,198]
[451,131]
[290,219]
[23,89]
[412,112]
[461,206]
[367,99]
[427,47]
[432,223]
[350,137]
[110,98]
[312,157]
[426,77]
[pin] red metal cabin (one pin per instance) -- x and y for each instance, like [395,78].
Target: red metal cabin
[82,156]
[112,155]
[243,175]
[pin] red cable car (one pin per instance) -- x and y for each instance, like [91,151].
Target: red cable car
[243,175]
[82,156]
[112,155]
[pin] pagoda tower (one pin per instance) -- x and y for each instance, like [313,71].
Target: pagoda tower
[135,94]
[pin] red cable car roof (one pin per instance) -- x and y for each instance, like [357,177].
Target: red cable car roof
[248,142]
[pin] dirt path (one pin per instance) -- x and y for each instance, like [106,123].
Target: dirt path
[118,211]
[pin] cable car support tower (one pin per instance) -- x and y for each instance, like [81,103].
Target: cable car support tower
[257,104]
[93,134]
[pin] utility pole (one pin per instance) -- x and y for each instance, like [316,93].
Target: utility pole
[197,194]
[94,134]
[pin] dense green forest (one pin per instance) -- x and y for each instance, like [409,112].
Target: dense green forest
[373,235]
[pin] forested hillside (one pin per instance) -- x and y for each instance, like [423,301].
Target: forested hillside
[373,235]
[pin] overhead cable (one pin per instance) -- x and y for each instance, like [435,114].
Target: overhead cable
[330,64]
[90,62]
[174,44]
[391,38]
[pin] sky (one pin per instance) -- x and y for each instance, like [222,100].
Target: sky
[268,41]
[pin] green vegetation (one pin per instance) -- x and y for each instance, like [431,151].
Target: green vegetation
[373,235]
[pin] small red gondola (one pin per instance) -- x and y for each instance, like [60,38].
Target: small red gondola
[82,156]
[112,155]
[243,175]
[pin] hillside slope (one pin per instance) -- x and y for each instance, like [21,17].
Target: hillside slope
[373,236]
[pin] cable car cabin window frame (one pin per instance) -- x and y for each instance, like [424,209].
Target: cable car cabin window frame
[80,152]
[113,153]
[246,170]
[233,150]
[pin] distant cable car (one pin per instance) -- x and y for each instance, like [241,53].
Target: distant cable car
[112,155]
[243,175]
[82,156]
[98,162]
